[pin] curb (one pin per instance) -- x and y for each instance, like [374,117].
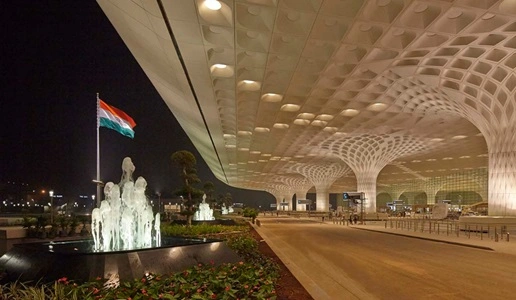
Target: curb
[428,239]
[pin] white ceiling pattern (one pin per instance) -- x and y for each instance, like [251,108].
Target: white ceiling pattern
[281,82]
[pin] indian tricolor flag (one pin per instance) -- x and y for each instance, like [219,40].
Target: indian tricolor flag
[112,117]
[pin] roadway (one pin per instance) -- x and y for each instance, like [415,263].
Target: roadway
[340,262]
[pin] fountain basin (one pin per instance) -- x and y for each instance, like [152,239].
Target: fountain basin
[47,261]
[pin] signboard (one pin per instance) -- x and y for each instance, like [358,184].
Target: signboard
[238,205]
[303,201]
[172,208]
[284,203]
[353,195]
[273,205]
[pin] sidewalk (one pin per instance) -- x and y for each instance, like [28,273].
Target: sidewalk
[475,240]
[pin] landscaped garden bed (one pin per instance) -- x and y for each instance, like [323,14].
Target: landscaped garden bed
[257,276]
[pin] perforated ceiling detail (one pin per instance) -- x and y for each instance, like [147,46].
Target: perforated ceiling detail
[321,175]
[370,153]
[276,79]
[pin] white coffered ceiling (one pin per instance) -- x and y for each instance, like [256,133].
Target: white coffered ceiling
[266,89]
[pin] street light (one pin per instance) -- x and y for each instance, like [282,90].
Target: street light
[51,194]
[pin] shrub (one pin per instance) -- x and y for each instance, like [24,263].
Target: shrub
[252,278]
[199,230]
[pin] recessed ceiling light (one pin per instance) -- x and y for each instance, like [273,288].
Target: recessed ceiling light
[330,129]
[340,133]
[261,129]
[377,106]
[306,116]
[324,117]
[220,66]
[280,126]
[271,97]
[290,107]
[349,112]
[213,4]
[448,158]
[437,140]
[319,123]
[459,137]
[244,132]
[301,122]
[465,156]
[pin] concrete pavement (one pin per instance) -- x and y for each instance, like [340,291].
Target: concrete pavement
[307,276]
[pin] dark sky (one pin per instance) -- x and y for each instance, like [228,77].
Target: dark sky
[56,56]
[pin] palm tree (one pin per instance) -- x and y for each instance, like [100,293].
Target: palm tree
[186,162]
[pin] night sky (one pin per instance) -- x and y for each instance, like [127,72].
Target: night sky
[56,56]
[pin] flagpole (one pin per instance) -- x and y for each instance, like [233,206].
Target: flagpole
[98,153]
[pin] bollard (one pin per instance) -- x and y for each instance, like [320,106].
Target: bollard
[481,232]
[385,224]
[507,236]
[438,229]
[496,235]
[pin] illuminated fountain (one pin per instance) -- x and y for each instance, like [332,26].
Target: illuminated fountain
[126,244]
[125,221]
[204,213]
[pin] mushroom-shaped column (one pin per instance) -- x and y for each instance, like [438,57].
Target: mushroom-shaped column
[322,176]
[501,144]
[368,154]
[277,195]
[283,195]
[300,186]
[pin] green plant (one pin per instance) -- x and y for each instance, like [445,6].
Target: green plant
[200,230]
[250,213]
[74,222]
[63,223]
[253,278]
[30,223]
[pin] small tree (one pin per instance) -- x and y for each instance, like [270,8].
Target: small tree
[186,162]
[209,189]
[228,199]
[250,213]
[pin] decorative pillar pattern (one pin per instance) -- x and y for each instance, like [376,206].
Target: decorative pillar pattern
[300,185]
[502,181]
[322,176]
[368,154]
